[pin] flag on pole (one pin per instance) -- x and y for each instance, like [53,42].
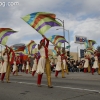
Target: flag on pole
[4,34]
[57,40]
[31,45]
[41,21]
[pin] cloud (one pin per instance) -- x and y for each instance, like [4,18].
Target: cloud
[81,17]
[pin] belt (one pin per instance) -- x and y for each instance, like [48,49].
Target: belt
[43,57]
[59,60]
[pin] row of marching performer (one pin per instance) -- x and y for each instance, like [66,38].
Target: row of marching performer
[42,63]
[91,63]
[5,64]
[9,63]
[27,67]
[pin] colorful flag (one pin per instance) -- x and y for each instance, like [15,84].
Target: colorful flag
[26,51]
[20,49]
[4,33]
[41,21]
[57,40]
[54,52]
[31,45]
[86,44]
[35,50]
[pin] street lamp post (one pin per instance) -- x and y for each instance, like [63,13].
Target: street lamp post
[63,29]
[64,33]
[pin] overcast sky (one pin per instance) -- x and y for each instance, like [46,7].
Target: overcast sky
[81,17]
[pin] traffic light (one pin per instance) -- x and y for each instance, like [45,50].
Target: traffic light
[81,53]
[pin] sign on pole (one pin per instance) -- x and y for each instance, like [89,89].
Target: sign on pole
[80,39]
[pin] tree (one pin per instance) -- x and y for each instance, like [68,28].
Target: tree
[98,48]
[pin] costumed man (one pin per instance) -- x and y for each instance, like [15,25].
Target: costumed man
[27,66]
[18,63]
[15,67]
[58,64]
[89,49]
[1,60]
[23,67]
[64,65]
[10,56]
[4,65]
[86,64]
[98,54]
[95,64]
[44,62]
[35,64]
[0,67]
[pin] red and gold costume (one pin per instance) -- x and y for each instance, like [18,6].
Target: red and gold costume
[34,68]
[86,64]
[64,65]
[6,64]
[44,63]
[96,63]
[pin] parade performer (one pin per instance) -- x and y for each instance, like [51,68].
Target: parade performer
[11,56]
[18,63]
[58,65]
[4,65]
[0,68]
[1,60]
[35,64]
[44,62]
[27,66]
[64,65]
[86,64]
[23,67]
[95,64]
[98,54]
[15,68]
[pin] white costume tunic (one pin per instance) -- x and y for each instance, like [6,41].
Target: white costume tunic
[34,65]
[0,63]
[95,65]
[64,63]
[58,65]
[27,65]
[23,67]
[4,65]
[42,61]
[86,63]
[14,66]
[0,66]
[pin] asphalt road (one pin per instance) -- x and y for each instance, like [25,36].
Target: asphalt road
[76,86]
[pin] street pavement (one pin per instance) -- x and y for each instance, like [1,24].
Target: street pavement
[76,86]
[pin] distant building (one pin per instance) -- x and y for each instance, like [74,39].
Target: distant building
[73,54]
